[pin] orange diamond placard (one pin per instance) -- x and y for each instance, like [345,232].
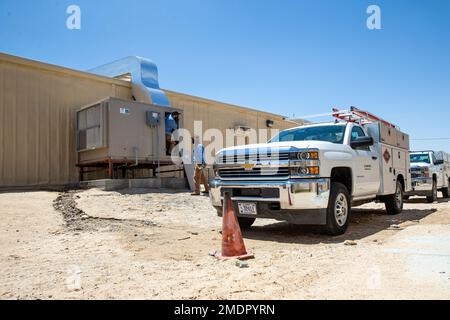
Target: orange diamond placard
[387,156]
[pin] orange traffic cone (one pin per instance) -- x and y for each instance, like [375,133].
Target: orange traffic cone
[233,246]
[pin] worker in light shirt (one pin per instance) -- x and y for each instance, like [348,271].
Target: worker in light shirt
[171,123]
[199,165]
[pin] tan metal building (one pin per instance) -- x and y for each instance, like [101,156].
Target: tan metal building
[38,104]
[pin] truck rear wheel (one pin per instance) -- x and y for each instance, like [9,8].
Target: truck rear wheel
[394,202]
[433,196]
[445,191]
[338,211]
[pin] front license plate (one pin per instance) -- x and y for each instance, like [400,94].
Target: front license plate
[247,208]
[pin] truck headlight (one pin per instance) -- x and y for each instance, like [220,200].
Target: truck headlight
[305,171]
[304,155]
[311,155]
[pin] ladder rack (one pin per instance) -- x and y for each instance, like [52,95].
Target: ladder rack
[360,116]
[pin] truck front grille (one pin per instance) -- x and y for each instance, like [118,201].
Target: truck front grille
[416,173]
[254,157]
[242,173]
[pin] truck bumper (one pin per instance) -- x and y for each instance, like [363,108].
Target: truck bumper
[421,187]
[301,201]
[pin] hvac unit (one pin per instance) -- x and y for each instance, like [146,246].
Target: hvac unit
[121,132]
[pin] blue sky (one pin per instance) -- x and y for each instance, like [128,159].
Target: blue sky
[288,57]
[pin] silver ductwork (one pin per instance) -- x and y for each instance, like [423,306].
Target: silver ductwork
[144,78]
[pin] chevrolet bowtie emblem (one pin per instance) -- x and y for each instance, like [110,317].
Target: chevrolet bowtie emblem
[249,166]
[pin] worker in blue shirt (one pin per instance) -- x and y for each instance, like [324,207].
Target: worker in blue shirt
[171,123]
[199,165]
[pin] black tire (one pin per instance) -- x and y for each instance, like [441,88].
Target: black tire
[434,191]
[246,223]
[445,191]
[394,202]
[338,211]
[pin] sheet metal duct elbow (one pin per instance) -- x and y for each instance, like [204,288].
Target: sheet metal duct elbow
[144,78]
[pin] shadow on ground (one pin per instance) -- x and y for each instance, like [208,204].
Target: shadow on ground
[363,223]
[423,200]
[138,191]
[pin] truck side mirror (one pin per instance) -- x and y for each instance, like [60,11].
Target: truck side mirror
[362,142]
[439,162]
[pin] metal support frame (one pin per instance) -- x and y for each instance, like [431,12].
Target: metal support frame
[110,165]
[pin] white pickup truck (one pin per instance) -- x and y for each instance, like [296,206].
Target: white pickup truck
[430,173]
[314,174]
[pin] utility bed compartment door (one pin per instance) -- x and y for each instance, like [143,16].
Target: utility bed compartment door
[399,161]
[402,140]
[387,170]
[402,166]
[394,162]
[388,135]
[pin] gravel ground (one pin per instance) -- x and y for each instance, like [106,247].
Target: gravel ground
[142,244]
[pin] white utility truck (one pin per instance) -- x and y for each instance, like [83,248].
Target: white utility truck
[315,173]
[430,172]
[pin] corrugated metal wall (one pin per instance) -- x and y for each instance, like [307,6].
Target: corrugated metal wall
[38,104]
[37,112]
[222,116]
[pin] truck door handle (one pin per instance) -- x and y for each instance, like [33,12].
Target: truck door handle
[374,158]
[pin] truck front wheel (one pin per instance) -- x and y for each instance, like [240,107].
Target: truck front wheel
[338,211]
[433,197]
[394,202]
[246,223]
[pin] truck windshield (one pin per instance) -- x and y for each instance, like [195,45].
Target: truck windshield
[329,133]
[420,157]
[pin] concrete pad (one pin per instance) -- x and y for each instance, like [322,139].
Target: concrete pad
[151,183]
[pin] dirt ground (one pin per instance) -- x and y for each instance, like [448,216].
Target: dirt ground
[139,245]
